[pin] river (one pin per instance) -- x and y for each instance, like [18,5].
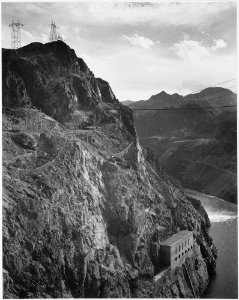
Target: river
[223,230]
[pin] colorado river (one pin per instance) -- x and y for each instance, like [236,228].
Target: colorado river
[223,230]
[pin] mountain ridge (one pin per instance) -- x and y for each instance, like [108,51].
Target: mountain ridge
[163,99]
[190,142]
[85,207]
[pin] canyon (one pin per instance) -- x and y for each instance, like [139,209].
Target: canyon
[85,206]
[194,137]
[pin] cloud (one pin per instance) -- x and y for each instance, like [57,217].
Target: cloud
[218,44]
[133,13]
[139,40]
[188,49]
[27,33]
[122,36]
[195,50]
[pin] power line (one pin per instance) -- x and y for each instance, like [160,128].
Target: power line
[222,96]
[226,93]
[162,29]
[192,108]
[214,85]
[230,25]
[141,24]
[205,21]
[116,38]
[192,93]
[185,108]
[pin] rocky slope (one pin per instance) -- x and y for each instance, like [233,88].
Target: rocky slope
[196,145]
[84,207]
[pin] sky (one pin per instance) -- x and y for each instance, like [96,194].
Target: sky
[140,48]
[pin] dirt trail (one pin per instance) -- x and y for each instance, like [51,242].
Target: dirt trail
[19,156]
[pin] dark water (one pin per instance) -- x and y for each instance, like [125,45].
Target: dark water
[223,216]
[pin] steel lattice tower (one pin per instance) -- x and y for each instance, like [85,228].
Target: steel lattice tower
[15,35]
[53,32]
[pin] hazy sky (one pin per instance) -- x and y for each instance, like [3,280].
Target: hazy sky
[140,48]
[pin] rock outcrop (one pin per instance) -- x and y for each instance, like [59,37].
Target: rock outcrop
[84,209]
[53,79]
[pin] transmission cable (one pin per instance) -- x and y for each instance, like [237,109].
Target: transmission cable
[153,34]
[191,108]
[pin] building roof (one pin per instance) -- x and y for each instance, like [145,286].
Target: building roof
[176,237]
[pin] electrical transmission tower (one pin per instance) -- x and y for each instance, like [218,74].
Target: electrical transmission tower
[55,35]
[16,35]
[53,32]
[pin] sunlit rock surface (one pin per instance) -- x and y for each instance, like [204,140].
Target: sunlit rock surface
[84,207]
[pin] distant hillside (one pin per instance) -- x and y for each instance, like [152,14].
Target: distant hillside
[127,102]
[159,101]
[212,96]
[189,138]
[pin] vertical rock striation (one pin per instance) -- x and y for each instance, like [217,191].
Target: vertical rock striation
[84,211]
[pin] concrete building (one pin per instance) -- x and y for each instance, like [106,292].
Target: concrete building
[177,248]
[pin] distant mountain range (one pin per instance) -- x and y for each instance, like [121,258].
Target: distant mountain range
[194,137]
[212,96]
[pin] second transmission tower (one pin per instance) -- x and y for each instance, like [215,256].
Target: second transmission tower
[53,32]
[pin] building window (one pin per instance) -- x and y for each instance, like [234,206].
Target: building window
[185,243]
[176,258]
[179,256]
[179,247]
[188,241]
[176,249]
[182,245]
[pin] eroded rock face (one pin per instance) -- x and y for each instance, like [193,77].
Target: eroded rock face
[52,78]
[83,211]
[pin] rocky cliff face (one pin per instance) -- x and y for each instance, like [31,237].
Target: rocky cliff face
[53,79]
[83,210]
